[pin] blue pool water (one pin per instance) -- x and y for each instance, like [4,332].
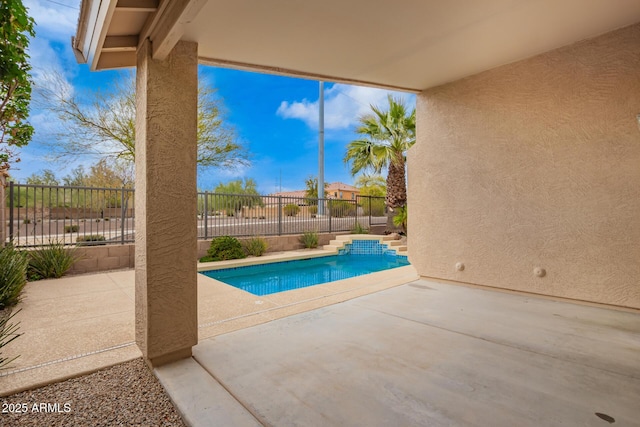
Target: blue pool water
[283,276]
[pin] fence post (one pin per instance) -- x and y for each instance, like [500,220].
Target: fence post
[330,210]
[279,215]
[11,206]
[369,197]
[3,207]
[206,215]
[123,211]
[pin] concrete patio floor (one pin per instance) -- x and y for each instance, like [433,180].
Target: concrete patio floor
[423,353]
[79,324]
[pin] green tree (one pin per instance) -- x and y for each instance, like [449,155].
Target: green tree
[372,185]
[375,186]
[15,82]
[77,178]
[45,177]
[386,135]
[234,195]
[311,190]
[106,126]
[111,173]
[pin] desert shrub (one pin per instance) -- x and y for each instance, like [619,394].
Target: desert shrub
[8,333]
[291,209]
[341,208]
[359,229]
[71,228]
[376,208]
[13,275]
[309,239]
[255,246]
[91,239]
[51,261]
[400,219]
[313,209]
[13,278]
[224,247]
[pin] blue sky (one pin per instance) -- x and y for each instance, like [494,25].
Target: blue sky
[275,117]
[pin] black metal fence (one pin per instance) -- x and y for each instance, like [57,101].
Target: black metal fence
[39,214]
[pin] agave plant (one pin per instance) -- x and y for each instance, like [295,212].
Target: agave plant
[8,333]
[309,239]
[13,275]
[51,261]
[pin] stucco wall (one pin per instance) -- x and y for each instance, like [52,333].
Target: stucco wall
[531,165]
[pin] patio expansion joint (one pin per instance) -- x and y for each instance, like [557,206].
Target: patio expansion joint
[515,347]
[232,394]
[65,359]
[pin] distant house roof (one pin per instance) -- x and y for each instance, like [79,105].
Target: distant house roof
[297,193]
[342,186]
[331,187]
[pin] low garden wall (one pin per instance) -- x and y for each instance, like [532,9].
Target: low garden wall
[116,257]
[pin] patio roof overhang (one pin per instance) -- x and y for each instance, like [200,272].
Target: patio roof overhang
[403,44]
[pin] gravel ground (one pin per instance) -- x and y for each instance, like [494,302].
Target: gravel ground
[123,395]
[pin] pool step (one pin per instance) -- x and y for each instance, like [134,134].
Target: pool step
[389,240]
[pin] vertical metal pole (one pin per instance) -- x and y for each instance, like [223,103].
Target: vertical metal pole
[23,221]
[123,210]
[321,149]
[279,215]
[355,216]
[369,212]
[11,201]
[206,214]
[329,205]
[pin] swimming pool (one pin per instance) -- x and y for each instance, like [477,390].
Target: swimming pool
[265,279]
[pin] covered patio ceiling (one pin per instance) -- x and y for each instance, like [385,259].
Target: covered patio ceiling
[402,44]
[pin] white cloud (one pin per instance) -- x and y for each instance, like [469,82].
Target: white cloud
[342,106]
[48,64]
[54,21]
[50,51]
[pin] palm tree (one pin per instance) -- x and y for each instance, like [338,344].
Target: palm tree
[386,136]
[311,192]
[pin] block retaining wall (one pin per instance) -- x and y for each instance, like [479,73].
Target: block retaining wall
[117,257]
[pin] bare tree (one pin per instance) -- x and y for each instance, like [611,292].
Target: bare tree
[104,127]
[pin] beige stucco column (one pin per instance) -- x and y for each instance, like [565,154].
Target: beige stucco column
[165,197]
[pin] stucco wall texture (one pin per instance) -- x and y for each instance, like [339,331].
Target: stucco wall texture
[165,250]
[531,165]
